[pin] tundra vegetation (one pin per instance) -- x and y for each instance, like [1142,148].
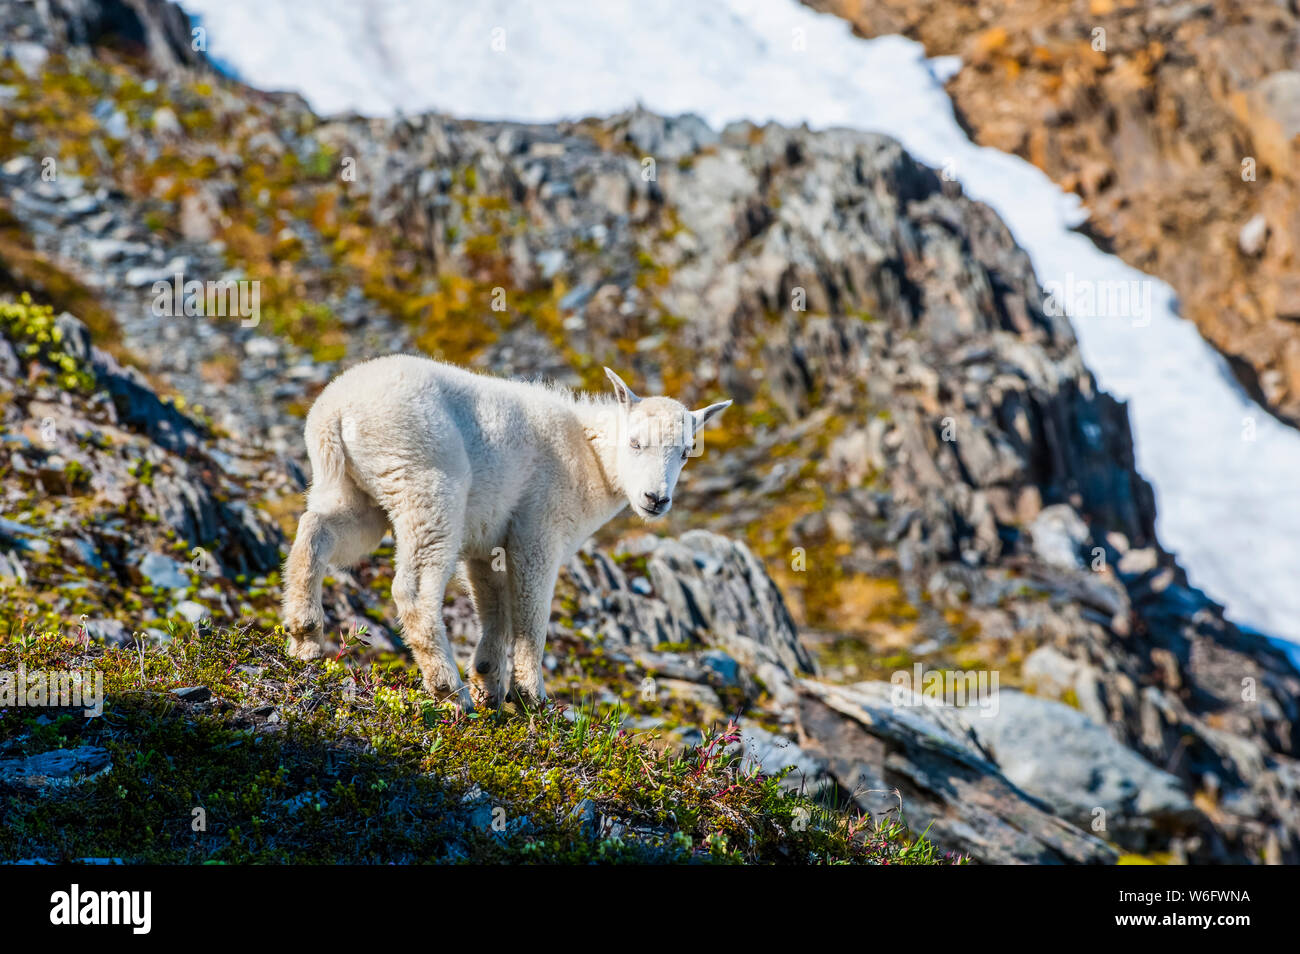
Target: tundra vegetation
[280,761]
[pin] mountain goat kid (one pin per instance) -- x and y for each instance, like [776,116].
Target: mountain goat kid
[504,478]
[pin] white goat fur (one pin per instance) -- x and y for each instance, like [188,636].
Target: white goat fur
[504,478]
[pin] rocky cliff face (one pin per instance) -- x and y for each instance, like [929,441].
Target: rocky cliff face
[922,471]
[1176,123]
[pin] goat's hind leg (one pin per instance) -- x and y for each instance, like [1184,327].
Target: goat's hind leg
[532,589]
[304,618]
[490,671]
[428,530]
[340,536]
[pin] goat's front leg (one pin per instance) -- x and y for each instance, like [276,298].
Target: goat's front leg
[532,577]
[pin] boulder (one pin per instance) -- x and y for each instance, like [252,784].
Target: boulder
[59,768]
[1077,766]
[1059,534]
[946,785]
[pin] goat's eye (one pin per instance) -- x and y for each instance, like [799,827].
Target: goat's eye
[686,453]
[634,444]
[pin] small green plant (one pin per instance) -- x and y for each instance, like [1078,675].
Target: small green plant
[36,336]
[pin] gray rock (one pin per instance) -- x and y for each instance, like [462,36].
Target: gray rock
[76,337]
[192,611]
[143,276]
[11,567]
[15,532]
[722,666]
[262,347]
[772,754]
[16,166]
[1060,755]
[60,768]
[716,588]
[668,138]
[116,125]
[687,735]
[871,746]
[30,57]
[199,216]
[163,571]
[551,262]
[113,632]
[1279,94]
[1137,562]
[103,251]
[83,551]
[165,124]
[1059,534]
[193,693]
[1049,672]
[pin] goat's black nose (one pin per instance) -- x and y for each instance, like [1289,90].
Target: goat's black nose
[654,501]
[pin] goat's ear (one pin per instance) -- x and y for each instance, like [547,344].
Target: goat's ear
[704,415]
[625,395]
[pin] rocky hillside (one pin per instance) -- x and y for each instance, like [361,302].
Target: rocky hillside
[921,472]
[1176,123]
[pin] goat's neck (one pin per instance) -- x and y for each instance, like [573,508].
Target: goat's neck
[604,493]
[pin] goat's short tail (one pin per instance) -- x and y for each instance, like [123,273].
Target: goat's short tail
[326,450]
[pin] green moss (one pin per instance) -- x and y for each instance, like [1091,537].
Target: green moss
[75,476]
[360,766]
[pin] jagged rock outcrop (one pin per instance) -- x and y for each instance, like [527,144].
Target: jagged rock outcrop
[155,29]
[876,750]
[109,487]
[698,587]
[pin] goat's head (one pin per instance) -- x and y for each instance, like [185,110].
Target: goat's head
[655,437]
